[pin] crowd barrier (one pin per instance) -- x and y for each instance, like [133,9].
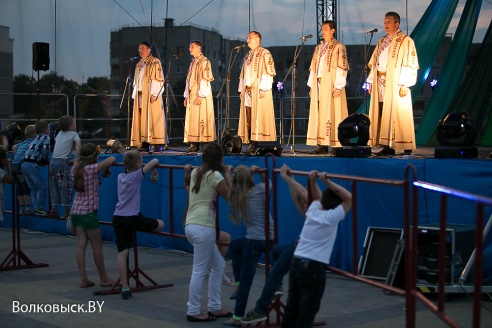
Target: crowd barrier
[410,186]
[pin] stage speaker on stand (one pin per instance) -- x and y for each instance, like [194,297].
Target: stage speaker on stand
[40,56]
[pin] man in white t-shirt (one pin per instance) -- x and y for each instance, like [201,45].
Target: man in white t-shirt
[307,272]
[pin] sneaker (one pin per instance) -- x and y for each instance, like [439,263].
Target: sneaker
[278,293]
[28,210]
[40,212]
[253,317]
[22,210]
[126,293]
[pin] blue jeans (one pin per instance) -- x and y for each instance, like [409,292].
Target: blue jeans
[245,255]
[32,174]
[21,187]
[59,182]
[281,257]
[306,287]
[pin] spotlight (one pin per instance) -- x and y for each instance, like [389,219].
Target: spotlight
[354,126]
[114,146]
[456,134]
[11,131]
[433,83]
[365,86]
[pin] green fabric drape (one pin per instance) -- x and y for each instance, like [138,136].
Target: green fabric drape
[477,87]
[428,36]
[451,73]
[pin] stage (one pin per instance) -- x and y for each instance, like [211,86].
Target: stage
[378,205]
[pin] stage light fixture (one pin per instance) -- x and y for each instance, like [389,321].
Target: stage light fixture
[355,126]
[433,83]
[365,86]
[456,134]
[114,146]
[11,131]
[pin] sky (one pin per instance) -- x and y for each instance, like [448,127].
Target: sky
[78,31]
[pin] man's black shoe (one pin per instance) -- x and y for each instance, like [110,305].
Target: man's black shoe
[386,151]
[192,149]
[253,148]
[407,152]
[320,150]
[145,147]
[202,146]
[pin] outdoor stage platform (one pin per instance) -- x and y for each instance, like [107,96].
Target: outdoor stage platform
[378,205]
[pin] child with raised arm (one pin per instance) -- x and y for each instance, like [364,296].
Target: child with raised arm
[5,176]
[307,271]
[86,181]
[127,216]
[59,173]
[22,190]
[35,157]
[247,201]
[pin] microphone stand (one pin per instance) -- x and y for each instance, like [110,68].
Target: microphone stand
[292,69]
[168,87]
[127,87]
[367,47]
[227,82]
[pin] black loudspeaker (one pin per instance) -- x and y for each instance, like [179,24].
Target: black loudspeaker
[265,147]
[379,248]
[231,142]
[40,56]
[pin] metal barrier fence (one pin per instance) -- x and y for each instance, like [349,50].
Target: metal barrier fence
[410,213]
[410,186]
[101,117]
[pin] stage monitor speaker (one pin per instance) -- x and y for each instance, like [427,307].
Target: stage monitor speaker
[40,56]
[231,142]
[265,147]
[377,255]
[114,146]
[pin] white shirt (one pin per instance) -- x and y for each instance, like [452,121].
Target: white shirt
[319,232]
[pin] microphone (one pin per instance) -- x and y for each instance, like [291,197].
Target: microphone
[133,58]
[304,38]
[239,47]
[372,31]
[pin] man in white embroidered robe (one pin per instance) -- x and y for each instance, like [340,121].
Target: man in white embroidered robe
[327,80]
[394,66]
[256,114]
[149,121]
[200,117]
